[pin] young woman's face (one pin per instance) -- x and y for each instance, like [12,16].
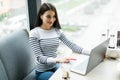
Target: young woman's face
[48,19]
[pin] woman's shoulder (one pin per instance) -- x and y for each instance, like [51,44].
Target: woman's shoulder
[34,29]
[59,31]
[34,32]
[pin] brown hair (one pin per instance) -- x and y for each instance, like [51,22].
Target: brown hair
[43,8]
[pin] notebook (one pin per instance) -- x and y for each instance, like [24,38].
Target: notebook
[85,63]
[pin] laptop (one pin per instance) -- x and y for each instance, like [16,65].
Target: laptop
[85,63]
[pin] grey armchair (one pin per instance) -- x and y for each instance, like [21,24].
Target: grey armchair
[16,59]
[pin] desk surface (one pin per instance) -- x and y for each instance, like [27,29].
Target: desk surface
[106,70]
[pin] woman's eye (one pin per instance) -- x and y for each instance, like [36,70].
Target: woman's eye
[54,16]
[48,16]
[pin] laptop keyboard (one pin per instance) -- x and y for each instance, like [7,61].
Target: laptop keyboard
[80,64]
[79,59]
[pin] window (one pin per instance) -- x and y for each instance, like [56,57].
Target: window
[69,13]
[77,16]
[90,18]
[13,16]
[1,5]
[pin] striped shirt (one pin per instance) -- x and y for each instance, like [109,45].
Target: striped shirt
[45,43]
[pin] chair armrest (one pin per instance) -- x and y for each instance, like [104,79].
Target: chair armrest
[30,76]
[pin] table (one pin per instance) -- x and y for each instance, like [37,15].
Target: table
[106,70]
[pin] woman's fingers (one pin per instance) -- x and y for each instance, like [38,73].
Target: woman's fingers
[65,60]
[71,58]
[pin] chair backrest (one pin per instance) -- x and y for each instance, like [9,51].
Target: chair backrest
[16,55]
[3,75]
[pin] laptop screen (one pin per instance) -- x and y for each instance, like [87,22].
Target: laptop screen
[97,55]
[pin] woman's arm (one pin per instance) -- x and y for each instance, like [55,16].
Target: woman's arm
[34,42]
[74,47]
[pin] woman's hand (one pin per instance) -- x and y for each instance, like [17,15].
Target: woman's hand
[64,60]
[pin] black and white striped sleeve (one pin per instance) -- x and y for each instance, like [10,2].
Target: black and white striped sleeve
[35,45]
[75,48]
[34,42]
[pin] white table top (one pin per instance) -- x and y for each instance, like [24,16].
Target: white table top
[106,70]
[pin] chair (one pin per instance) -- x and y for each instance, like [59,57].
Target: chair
[16,59]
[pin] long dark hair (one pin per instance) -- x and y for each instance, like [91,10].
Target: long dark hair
[43,8]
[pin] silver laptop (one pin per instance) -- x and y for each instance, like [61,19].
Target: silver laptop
[89,62]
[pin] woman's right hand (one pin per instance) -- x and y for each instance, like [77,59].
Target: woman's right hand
[64,60]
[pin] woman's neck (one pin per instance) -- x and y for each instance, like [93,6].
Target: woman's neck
[46,27]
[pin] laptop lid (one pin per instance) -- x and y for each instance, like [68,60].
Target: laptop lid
[96,57]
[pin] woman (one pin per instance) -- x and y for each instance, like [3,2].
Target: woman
[45,39]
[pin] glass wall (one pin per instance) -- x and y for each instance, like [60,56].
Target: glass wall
[80,19]
[77,16]
[13,16]
[70,14]
[88,19]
